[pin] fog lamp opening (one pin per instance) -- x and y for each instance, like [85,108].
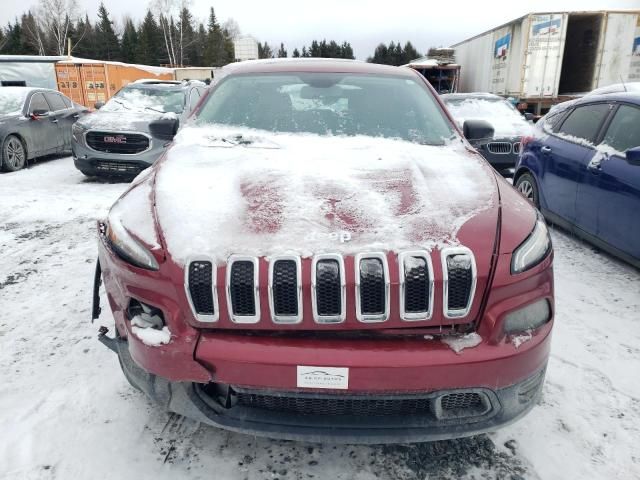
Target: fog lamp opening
[529,317]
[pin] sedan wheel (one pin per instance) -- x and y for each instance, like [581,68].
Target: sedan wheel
[13,154]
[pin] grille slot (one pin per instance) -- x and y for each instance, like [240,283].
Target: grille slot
[416,285]
[516,148]
[499,148]
[242,289]
[285,293]
[302,405]
[459,270]
[372,287]
[200,286]
[115,167]
[328,289]
[117,142]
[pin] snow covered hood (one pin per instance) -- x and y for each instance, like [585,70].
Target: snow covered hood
[119,121]
[217,194]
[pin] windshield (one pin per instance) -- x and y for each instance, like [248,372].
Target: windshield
[146,99]
[329,104]
[11,101]
[504,118]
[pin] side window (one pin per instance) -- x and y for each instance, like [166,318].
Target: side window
[55,101]
[38,103]
[584,122]
[624,130]
[67,102]
[194,99]
[552,120]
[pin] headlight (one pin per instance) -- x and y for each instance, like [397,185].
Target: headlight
[528,318]
[77,132]
[127,247]
[533,250]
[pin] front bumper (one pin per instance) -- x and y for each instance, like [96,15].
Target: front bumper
[95,164]
[425,420]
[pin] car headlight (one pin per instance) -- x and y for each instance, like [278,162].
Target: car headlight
[77,132]
[533,250]
[127,247]
[530,317]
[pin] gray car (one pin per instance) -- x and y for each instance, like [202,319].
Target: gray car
[509,125]
[34,122]
[116,140]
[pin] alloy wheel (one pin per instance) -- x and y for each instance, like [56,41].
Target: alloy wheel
[14,154]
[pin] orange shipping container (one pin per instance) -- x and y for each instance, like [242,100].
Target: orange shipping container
[88,81]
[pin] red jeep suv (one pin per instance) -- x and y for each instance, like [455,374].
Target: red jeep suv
[320,255]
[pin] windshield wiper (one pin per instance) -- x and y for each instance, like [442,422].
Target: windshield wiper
[155,109]
[239,140]
[121,103]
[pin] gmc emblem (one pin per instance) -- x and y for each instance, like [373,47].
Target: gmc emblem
[118,139]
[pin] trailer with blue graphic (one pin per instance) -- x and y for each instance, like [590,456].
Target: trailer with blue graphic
[543,58]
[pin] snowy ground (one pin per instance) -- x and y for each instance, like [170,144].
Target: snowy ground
[67,412]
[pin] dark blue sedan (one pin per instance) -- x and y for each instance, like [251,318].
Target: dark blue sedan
[581,168]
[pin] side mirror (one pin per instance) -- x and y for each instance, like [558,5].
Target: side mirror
[633,156]
[98,105]
[164,129]
[477,129]
[529,116]
[38,113]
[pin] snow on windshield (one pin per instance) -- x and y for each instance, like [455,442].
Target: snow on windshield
[506,121]
[217,193]
[11,101]
[146,100]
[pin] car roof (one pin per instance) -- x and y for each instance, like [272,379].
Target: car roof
[29,89]
[474,95]
[324,65]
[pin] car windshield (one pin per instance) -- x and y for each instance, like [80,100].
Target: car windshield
[158,99]
[329,104]
[11,101]
[504,118]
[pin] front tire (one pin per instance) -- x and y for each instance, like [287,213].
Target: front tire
[528,188]
[14,155]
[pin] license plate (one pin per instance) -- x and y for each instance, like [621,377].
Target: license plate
[323,377]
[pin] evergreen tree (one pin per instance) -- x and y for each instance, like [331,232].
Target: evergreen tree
[107,44]
[32,36]
[186,39]
[296,53]
[394,54]
[196,56]
[129,42]
[149,41]
[304,52]
[217,51]
[410,53]
[83,39]
[282,53]
[264,50]
[13,45]
[3,39]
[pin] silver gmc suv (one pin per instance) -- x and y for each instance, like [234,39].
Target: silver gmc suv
[116,140]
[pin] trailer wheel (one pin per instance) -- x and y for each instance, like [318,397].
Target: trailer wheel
[528,187]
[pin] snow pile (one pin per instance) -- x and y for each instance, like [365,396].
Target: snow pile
[228,190]
[459,343]
[603,152]
[505,120]
[150,336]
[118,121]
[518,340]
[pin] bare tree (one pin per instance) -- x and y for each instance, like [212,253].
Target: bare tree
[232,27]
[55,18]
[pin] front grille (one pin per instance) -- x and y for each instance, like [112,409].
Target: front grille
[460,278]
[499,148]
[366,407]
[114,142]
[371,288]
[516,147]
[285,288]
[242,288]
[416,288]
[328,288]
[461,401]
[115,167]
[201,287]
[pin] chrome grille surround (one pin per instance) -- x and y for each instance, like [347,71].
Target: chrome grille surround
[371,318]
[286,319]
[256,289]
[516,148]
[499,148]
[214,270]
[331,319]
[415,316]
[445,254]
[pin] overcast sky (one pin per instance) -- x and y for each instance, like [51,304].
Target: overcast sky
[363,23]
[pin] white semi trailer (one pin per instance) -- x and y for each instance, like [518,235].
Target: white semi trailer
[545,58]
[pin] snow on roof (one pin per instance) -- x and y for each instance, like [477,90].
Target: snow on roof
[31,58]
[426,62]
[147,68]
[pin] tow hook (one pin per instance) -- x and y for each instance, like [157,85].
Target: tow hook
[110,343]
